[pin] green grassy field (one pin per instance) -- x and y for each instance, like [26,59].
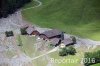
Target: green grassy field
[28,45]
[28,48]
[96,64]
[43,61]
[77,17]
[79,55]
[77,59]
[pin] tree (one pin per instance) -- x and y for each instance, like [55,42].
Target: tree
[10,6]
[63,52]
[71,50]
[67,51]
[23,31]
[91,58]
[73,39]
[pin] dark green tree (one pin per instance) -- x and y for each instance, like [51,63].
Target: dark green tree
[92,58]
[71,50]
[10,6]
[67,51]
[63,52]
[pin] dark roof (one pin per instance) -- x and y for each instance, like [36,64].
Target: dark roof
[67,41]
[29,30]
[55,41]
[52,33]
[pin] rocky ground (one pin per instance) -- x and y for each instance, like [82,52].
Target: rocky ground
[9,45]
[10,53]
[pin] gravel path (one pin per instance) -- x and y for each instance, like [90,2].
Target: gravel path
[39,4]
[53,50]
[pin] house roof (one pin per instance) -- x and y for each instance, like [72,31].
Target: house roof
[52,33]
[29,30]
[67,41]
[25,26]
[55,41]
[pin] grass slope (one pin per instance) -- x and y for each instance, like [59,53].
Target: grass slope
[77,17]
[96,64]
[28,45]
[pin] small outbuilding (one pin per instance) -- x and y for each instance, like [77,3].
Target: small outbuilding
[62,43]
[32,31]
[69,41]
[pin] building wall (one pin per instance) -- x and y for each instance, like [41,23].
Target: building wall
[35,33]
[44,37]
[57,36]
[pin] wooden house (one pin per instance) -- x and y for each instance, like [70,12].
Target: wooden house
[55,41]
[50,34]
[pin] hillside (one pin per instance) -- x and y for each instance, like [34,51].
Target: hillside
[77,17]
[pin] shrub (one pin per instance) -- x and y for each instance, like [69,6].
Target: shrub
[63,52]
[73,39]
[19,41]
[92,58]
[71,50]
[23,31]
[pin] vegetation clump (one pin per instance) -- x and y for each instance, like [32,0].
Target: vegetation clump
[67,51]
[19,41]
[23,31]
[91,58]
[10,6]
[9,33]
